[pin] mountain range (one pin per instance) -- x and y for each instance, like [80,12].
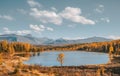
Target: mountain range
[47,41]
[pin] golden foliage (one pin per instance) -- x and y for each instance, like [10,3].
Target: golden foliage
[1,59]
[60,58]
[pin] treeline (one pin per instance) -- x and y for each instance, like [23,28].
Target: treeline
[11,47]
[93,47]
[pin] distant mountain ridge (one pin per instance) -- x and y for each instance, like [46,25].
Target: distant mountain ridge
[46,41]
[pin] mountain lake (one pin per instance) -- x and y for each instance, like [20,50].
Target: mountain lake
[71,58]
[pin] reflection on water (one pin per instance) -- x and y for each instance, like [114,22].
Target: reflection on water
[72,58]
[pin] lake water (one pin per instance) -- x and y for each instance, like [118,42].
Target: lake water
[71,58]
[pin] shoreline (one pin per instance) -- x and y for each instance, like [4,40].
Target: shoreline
[11,62]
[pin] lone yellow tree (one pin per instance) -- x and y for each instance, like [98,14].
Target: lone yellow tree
[60,58]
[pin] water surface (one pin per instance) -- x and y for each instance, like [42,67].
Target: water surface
[72,58]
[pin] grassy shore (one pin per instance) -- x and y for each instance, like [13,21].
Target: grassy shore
[13,66]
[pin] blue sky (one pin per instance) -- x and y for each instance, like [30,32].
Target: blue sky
[70,19]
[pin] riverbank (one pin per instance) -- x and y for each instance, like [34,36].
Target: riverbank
[13,66]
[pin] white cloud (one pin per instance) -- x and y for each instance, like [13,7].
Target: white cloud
[99,9]
[36,27]
[101,5]
[46,16]
[40,28]
[33,3]
[6,30]
[69,13]
[22,11]
[105,19]
[74,15]
[53,8]
[7,17]
[49,28]
[21,32]
[18,32]
[113,37]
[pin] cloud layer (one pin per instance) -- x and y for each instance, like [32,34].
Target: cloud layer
[100,8]
[69,13]
[40,28]
[33,3]
[54,17]
[18,32]
[114,37]
[46,16]
[74,15]
[6,17]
